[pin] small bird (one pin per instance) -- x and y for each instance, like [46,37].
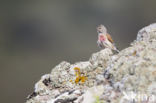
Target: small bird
[104,39]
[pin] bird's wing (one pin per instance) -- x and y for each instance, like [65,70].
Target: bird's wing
[109,38]
[99,44]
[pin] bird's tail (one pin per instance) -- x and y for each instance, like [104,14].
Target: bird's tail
[115,49]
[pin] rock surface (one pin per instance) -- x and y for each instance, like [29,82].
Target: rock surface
[126,77]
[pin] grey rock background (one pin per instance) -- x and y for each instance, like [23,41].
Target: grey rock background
[37,35]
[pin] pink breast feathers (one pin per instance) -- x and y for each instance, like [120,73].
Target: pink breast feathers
[102,38]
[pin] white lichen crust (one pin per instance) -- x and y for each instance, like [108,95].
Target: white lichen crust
[126,77]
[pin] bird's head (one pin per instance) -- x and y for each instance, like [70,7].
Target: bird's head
[101,29]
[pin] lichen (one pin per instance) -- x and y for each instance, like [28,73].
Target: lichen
[79,77]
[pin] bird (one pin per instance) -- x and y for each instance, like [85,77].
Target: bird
[104,39]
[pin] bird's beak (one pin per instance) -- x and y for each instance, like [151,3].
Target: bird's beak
[99,31]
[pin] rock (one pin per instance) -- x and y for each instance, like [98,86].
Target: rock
[92,93]
[84,66]
[101,58]
[147,33]
[126,77]
[59,75]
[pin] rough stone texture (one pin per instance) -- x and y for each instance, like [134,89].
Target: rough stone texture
[147,33]
[126,77]
[101,58]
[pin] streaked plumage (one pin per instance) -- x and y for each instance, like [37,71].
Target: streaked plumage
[104,39]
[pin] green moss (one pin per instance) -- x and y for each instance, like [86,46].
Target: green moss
[98,100]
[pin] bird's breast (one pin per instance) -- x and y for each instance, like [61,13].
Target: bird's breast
[102,38]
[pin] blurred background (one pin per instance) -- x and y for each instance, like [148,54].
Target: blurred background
[37,35]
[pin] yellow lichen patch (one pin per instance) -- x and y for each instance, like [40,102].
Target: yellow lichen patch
[77,71]
[83,79]
[77,80]
[71,81]
[134,53]
[79,77]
